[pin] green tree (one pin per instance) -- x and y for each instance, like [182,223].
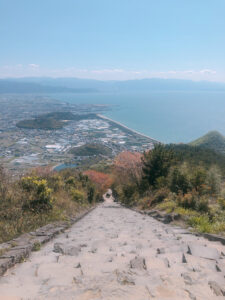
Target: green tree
[157,163]
[198,179]
[178,181]
[91,194]
[213,180]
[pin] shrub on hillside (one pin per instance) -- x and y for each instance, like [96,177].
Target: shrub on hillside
[221,202]
[38,196]
[201,223]
[194,201]
[70,181]
[160,195]
[127,194]
[188,200]
[202,205]
[213,180]
[178,182]
[77,195]
[198,179]
[42,197]
[91,194]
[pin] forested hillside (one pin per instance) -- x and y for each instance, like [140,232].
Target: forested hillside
[212,140]
[180,179]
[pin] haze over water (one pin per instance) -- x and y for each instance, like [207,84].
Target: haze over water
[170,117]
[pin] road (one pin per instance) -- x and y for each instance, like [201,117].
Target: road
[116,253]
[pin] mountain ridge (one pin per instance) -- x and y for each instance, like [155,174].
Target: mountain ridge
[11,86]
[92,85]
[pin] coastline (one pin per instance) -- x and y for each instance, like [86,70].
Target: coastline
[129,129]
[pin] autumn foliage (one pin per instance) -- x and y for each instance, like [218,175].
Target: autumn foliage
[102,180]
[128,166]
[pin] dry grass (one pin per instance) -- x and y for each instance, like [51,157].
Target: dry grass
[41,199]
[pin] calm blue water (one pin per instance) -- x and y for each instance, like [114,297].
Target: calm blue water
[64,166]
[165,116]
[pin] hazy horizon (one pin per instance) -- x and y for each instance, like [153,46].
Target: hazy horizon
[108,80]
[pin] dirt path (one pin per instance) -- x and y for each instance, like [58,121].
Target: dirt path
[115,253]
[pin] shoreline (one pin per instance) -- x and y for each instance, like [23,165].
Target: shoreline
[127,128]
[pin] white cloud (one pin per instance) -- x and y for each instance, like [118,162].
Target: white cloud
[207,71]
[189,72]
[172,72]
[107,71]
[34,66]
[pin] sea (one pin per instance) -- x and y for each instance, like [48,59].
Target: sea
[169,117]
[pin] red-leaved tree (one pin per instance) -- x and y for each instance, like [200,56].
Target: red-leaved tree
[101,180]
[128,167]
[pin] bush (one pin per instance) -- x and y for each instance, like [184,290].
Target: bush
[91,194]
[213,180]
[168,205]
[71,181]
[40,198]
[130,194]
[160,195]
[127,194]
[178,181]
[161,182]
[145,202]
[188,200]
[201,223]
[37,193]
[193,201]
[77,196]
[203,205]
[221,202]
[198,180]
[55,182]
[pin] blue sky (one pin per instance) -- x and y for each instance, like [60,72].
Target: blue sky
[113,39]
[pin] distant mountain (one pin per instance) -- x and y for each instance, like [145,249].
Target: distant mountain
[152,84]
[212,140]
[16,86]
[156,84]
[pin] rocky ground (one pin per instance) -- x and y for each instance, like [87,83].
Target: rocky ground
[116,253]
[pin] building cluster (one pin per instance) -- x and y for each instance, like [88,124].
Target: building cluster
[23,148]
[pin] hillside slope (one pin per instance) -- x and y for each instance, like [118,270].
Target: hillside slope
[212,140]
[91,150]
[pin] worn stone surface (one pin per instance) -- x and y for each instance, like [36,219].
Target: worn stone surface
[124,279]
[215,238]
[18,249]
[204,252]
[66,249]
[118,259]
[5,264]
[138,263]
[217,289]
[18,254]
